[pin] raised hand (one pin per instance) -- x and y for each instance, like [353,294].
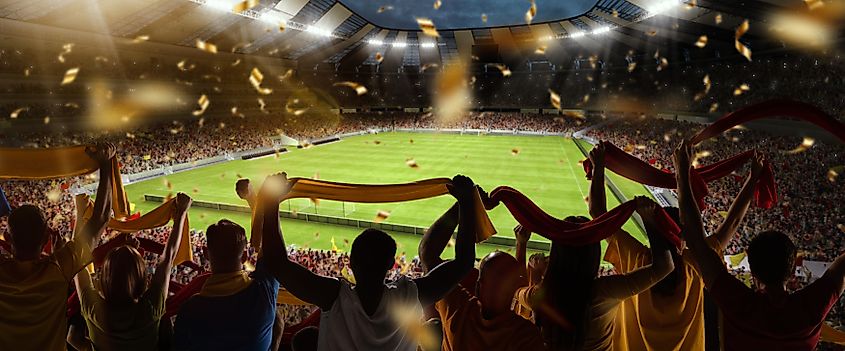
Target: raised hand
[102,152]
[183,203]
[489,204]
[275,187]
[645,207]
[597,155]
[521,233]
[461,188]
[758,165]
[243,188]
[683,155]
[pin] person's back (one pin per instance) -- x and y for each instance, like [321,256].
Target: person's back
[132,326]
[234,310]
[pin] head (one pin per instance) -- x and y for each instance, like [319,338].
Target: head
[771,256]
[124,278]
[28,231]
[226,244]
[499,276]
[567,289]
[305,339]
[373,254]
[668,285]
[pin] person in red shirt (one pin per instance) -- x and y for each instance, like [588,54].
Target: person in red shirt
[769,318]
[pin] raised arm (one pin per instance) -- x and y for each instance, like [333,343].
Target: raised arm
[522,236]
[739,208]
[91,230]
[436,238]
[180,214]
[443,278]
[301,282]
[622,286]
[598,197]
[692,226]
[837,271]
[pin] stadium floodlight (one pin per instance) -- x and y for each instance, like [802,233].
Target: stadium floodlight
[399,44]
[601,30]
[577,35]
[428,45]
[375,42]
[660,6]
[319,31]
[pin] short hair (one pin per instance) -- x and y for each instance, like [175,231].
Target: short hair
[28,228]
[124,278]
[771,256]
[373,251]
[305,339]
[226,241]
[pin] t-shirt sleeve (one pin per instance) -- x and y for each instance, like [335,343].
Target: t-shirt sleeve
[624,252]
[71,258]
[263,276]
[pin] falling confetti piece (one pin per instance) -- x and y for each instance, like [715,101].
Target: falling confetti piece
[282,26]
[206,46]
[663,63]
[632,66]
[384,8]
[651,32]
[167,184]
[515,151]
[381,216]
[294,111]
[70,76]
[713,107]
[378,57]
[67,48]
[287,75]
[718,18]
[740,31]
[541,50]
[255,78]
[359,89]
[702,41]
[427,27]
[182,67]
[741,89]
[17,112]
[262,105]
[437,4]
[140,38]
[411,163]
[555,99]
[484,17]
[506,72]
[244,5]
[707,86]
[46,119]
[428,65]
[236,113]
[806,144]
[615,13]
[203,102]
[532,11]
[700,155]
[834,173]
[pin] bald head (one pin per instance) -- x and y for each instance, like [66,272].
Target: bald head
[500,275]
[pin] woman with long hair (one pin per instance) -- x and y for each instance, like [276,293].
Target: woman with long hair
[124,314]
[574,307]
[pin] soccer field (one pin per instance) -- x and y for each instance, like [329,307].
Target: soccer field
[544,168]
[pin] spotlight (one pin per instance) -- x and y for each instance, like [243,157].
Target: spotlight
[601,30]
[399,44]
[428,45]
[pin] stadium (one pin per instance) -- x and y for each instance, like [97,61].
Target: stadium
[549,175]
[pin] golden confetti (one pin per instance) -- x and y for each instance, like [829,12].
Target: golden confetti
[67,48]
[806,144]
[203,102]
[718,18]
[384,8]
[541,50]
[70,76]
[287,75]
[814,4]
[555,99]
[71,105]
[663,63]
[17,112]
[585,99]
[632,66]
[615,13]
[262,105]
[360,89]
[182,67]
[506,72]
[167,184]
[740,31]
[699,155]
[702,42]
[294,111]
[427,27]
[532,11]
[244,5]
[651,32]
[741,89]
[437,4]
[484,17]
[428,65]
[515,151]
[411,163]
[206,46]
[834,173]
[140,38]
[255,78]
[707,86]
[691,5]
[574,114]
[236,113]
[378,57]
[713,107]
[282,26]
[46,119]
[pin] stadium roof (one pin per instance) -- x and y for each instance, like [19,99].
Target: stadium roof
[333,33]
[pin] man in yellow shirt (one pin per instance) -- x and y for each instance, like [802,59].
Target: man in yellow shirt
[670,315]
[33,287]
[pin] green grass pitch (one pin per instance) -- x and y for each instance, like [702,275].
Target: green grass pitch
[545,168]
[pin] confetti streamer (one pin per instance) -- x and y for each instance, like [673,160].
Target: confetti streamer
[67,48]
[702,42]
[70,76]
[437,4]
[806,144]
[17,112]
[182,67]
[532,11]
[255,78]
[140,38]
[427,27]
[740,31]
[206,46]
[262,105]
[203,103]
[359,89]
[244,5]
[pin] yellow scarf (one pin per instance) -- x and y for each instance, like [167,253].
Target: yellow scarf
[227,284]
[62,162]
